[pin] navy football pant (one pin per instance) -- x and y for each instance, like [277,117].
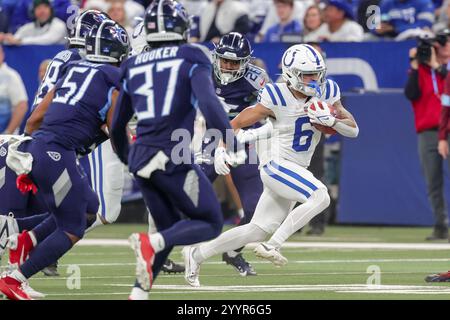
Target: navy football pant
[62,184]
[181,190]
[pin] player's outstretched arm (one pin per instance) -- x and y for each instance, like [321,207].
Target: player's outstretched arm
[121,112]
[346,124]
[251,115]
[36,118]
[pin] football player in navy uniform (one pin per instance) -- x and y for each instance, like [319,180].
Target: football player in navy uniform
[164,87]
[237,83]
[70,117]
[30,209]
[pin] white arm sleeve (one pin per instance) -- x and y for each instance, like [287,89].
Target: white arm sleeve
[346,130]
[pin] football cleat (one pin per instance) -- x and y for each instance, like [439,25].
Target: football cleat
[171,267]
[138,293]
[51,270]
[20,246]
[8,227]
[12,288]
[438,277]
[192,271]
[33,294]
[145,256]
[268,252]
[243,267]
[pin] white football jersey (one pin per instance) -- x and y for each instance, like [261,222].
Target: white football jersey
[293,137]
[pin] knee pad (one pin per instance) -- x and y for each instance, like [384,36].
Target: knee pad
[255,233]
[321,198]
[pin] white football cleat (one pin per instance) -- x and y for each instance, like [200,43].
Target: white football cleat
[192,268]
[138,294]
[268,252]
[8,227]
[31,292]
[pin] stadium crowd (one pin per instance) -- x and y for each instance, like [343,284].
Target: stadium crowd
[46,21]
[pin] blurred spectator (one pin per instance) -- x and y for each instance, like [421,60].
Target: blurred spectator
[287,24]
[444,17]
[43,69]
[18,11]
[100,5]
[4,21]
[311,23]
[117,13]
[272,18]
[194,9]
[13,98]
[424,88]
[339,24]
[221,17]
[45,29]
[405,16]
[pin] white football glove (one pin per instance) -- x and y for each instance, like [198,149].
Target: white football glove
[237,158]
[321,116]
[221,160]
[246,136]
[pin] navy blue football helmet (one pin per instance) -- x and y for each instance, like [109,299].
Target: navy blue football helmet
[166,21]
[83,24]
[107,43]
[235,47]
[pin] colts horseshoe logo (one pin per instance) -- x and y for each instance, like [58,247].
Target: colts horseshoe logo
[292,60]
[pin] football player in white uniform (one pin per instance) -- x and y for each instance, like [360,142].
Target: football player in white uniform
[294,107]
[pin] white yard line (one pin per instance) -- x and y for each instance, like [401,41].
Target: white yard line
[326,245]
[337,288]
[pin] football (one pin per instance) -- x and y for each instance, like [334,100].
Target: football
[322,128]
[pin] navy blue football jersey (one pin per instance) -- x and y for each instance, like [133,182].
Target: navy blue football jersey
[81,102]
[165,86]
[53,73]
[243,92]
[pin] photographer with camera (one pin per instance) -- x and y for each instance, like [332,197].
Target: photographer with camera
[424,88]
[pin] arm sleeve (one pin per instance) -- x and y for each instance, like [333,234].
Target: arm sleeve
[122,114]
[412,89]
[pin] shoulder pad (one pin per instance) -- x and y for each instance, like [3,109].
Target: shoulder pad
[256,76]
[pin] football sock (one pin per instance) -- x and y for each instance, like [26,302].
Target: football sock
[230,240]
[46,253]
[29,223]
[45,228]
[186,232]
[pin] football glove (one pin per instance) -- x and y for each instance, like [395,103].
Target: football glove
[321,114]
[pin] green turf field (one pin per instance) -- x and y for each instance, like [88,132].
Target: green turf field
[312,273]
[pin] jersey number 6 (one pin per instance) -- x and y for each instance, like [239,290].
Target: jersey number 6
[299,133]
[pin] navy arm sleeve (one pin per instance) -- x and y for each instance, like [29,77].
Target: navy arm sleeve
[122,115]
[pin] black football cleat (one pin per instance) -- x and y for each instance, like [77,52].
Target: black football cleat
[171,267]
[243,267]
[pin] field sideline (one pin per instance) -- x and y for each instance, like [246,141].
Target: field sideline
[338,265]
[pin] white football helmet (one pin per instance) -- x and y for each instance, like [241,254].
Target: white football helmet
[300,60]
